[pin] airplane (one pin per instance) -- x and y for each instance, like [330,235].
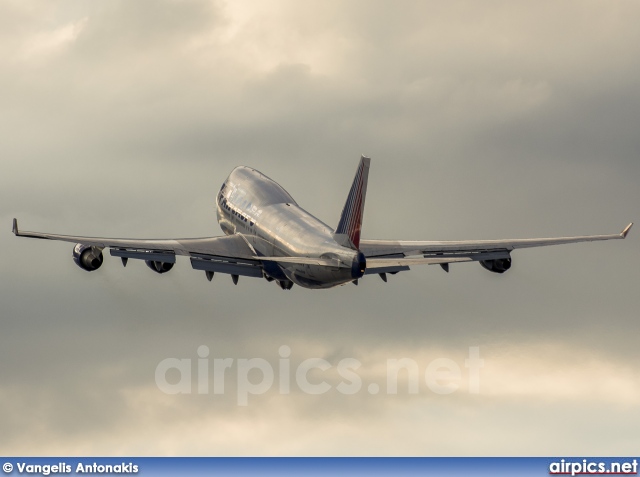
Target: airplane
[268,235]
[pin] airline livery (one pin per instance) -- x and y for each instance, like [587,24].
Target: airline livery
[269,236]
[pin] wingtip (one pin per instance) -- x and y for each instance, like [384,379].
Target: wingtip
[15,227]
[625,232]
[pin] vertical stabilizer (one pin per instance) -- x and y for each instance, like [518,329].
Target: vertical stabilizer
[347,233]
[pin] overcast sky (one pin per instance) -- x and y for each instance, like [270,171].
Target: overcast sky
[492,119]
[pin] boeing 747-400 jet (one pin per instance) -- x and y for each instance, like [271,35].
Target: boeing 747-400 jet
[267,235]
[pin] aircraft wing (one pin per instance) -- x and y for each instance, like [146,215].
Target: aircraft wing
[226,254]
[472,250]
[229,254]
[224,245]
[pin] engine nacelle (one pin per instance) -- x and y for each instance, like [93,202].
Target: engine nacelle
[497,265]
[87,257]
[159,267]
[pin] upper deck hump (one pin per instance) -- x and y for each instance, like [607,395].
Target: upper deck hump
[262,189]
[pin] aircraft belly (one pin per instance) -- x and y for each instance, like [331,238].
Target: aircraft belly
[312,276]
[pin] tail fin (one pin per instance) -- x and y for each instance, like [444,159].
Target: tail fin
[347,233]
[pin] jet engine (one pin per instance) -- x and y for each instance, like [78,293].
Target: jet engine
[497,265]
[159,267]
[87,257]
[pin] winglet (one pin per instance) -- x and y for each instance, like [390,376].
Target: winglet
[15,227]
[624,233]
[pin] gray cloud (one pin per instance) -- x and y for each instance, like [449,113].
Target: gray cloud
[486,121]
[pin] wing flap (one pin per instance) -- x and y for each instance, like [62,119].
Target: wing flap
[404,262]
[392,269]
[247,268]
[155,256]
